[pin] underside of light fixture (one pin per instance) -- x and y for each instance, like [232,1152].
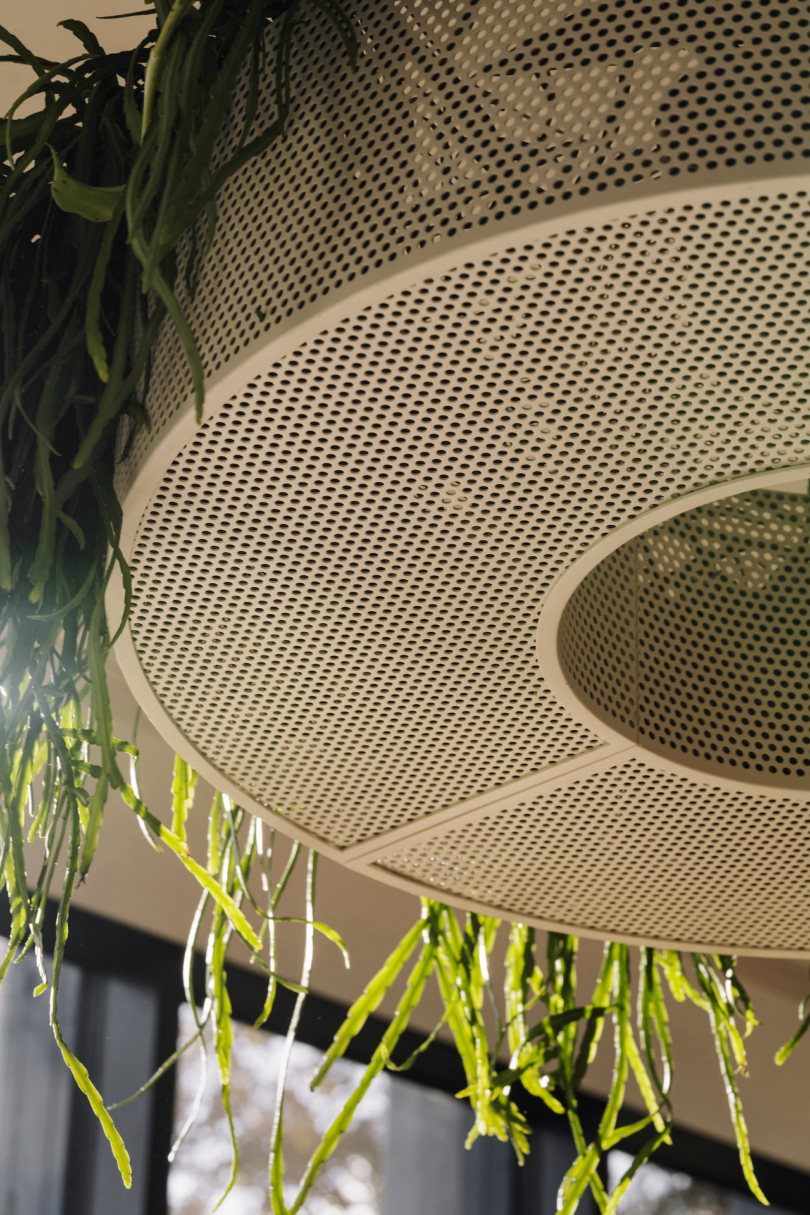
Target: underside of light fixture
[486,572]
[692,639]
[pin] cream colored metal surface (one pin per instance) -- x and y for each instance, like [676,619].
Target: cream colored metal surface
[693,639]
[694,861]
[503,293]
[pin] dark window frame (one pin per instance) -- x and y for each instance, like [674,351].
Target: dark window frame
[102,945]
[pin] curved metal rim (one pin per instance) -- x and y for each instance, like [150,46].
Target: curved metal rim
[417,269]
[592,934]
[559,595]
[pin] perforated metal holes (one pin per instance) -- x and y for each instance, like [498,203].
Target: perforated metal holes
[337,582]
[464,118]
[694,638]
[360,643]
[634,853]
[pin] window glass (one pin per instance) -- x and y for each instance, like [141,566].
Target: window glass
[404,1152]
[54,1157]
[351,1181]
[657,1191]
[37,1090]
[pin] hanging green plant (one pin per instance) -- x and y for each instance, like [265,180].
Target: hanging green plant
[99,188]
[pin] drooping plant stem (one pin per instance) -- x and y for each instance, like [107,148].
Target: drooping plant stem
[553,1036]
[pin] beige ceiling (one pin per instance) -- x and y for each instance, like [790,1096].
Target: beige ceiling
[130,884]
[37,25]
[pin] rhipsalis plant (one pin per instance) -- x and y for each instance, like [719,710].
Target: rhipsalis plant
[544,1039]
[98,188]
[108,197]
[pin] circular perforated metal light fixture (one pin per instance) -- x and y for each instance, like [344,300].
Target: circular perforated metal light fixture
[506,357]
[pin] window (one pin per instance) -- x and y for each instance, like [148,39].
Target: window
[54,1159]
[122,1010]
[403,1154]
[657,1191]
[354,1177]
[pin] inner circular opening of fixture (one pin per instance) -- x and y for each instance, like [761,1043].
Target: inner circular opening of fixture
[693,638]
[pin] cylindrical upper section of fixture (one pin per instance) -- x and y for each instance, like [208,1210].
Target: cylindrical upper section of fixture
[467,120]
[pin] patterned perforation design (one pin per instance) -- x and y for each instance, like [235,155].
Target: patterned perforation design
[342,639]
[597,640]
[634,852]
[338,581]
[715,650]
[466,115]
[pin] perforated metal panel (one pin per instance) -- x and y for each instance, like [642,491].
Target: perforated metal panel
[435,380]
[468,118]
[694,638]
[628,852]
